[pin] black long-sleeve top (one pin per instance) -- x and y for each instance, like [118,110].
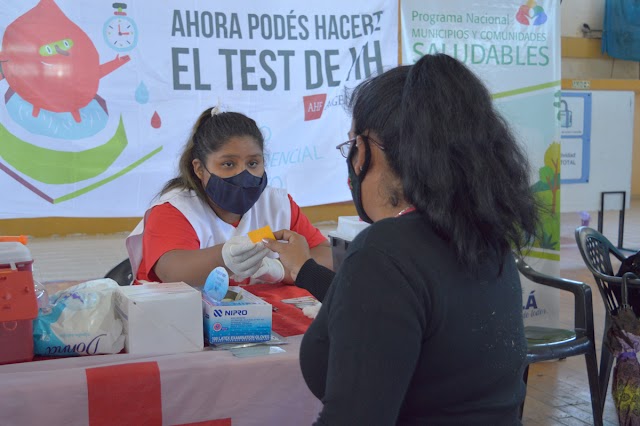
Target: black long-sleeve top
[407,335]
[315,278]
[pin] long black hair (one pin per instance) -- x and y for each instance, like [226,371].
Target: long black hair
[458,162]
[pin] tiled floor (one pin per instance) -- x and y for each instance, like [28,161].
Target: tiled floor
[84,257]
[558,393]
[76,257]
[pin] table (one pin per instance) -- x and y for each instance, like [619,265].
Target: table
[202,388]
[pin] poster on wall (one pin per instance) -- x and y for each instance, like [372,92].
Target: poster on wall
[575,129]
[514,47]
[100,97]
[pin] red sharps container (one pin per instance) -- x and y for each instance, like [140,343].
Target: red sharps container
[18,304]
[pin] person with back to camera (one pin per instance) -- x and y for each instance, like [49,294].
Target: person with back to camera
[201,219]
[422,324]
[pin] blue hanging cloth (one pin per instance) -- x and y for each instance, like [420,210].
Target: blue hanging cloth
[621,32]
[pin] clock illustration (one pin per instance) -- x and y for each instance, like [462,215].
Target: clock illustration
[120,32]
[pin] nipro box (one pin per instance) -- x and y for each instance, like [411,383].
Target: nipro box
[240,318]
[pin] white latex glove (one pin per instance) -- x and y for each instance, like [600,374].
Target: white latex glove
[242,257]
[271,271]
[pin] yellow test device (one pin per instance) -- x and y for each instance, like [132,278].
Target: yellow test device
[259,234]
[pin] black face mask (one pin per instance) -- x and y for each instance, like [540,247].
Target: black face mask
[236,194]
[355,181]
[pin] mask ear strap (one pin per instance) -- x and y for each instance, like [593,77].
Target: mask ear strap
[367,158]
[357,193]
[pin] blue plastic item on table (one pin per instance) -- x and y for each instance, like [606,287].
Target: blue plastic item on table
[217,284]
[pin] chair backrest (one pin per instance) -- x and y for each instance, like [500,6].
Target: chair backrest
[596,251]
[121,273]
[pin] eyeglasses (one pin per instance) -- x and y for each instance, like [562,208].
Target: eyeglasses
[345,147]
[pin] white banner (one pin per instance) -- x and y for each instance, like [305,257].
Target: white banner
[100,97]
[514,46]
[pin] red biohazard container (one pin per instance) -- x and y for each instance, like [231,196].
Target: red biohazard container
[18,304]
[14,238]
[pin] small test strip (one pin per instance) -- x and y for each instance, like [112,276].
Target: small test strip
[302,302]
[302,299]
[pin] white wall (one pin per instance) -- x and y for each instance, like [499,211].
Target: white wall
[610,145]
[576,12]
[573,14]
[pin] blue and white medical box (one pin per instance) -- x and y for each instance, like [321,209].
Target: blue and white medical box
[239,318]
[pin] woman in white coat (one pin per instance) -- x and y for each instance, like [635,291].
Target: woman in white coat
[201,218]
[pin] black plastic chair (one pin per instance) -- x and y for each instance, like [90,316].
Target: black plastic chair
[121,273]
[596,251]
[544,343]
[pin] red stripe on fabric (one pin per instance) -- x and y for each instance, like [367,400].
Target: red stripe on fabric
[288,320]
[126,394]
[219,422]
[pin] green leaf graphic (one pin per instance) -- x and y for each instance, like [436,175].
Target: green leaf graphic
[60,167]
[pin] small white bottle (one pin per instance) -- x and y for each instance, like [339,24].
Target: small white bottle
[42,295]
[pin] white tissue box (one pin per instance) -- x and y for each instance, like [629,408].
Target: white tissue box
[245,320]
[161,318]
[349,227]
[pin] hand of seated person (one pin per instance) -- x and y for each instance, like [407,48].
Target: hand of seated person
[243,257]
[292,248]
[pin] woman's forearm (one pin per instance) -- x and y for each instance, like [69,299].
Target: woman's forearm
[322,255]
[190,266]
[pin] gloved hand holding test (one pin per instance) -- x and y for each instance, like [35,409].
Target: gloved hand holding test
[242,256]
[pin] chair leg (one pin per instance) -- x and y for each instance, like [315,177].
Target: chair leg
[606,365]
[525,377]
[594,387]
